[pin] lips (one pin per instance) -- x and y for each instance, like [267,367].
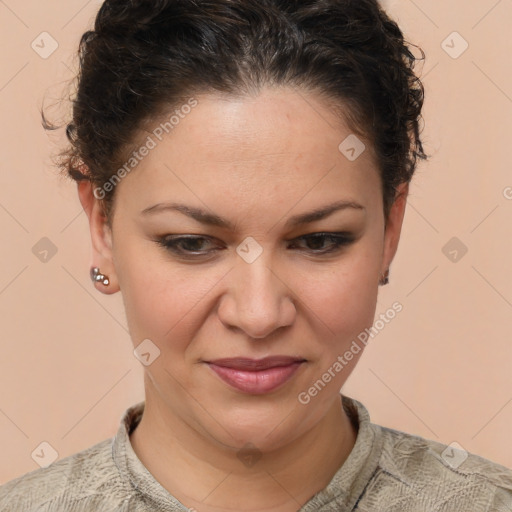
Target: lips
[245,364]
[256,376]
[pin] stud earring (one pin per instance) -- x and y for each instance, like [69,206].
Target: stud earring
[384,279]
[97,277]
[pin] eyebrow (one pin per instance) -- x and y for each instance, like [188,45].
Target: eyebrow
[212,219]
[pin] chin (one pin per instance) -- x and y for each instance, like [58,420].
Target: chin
[267,426]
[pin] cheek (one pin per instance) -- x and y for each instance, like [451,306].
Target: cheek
[161,308]
[341,300]
[159,297]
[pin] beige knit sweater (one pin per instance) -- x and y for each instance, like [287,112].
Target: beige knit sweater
[386,471]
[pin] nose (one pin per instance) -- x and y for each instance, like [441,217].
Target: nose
[258,300]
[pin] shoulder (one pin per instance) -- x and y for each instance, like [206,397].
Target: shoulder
[419,470]
[78,477]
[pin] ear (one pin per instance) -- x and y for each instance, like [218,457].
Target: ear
[394,226]
[101,237]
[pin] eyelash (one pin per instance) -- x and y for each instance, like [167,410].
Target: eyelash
[338,240]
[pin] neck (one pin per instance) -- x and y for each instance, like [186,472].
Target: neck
[208,477]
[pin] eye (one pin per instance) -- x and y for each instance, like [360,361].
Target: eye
[197,246]
[185,245]
[316,242]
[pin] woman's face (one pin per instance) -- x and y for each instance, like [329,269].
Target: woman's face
[250,284]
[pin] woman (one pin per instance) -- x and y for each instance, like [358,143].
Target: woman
[245,168]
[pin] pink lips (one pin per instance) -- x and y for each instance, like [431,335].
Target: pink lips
[256,376]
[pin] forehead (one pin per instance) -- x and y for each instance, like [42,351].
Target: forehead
[280,142]
[274,122]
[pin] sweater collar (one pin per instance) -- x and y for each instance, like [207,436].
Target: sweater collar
[341,494]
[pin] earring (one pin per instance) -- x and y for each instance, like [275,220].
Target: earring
[97,277]
[384,279]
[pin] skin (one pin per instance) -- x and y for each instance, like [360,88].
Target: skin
[255,161]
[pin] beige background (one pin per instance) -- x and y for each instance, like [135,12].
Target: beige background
[441,369]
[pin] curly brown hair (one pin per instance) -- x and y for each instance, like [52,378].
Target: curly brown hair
[146,57]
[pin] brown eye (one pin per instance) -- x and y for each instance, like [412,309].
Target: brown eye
[186,245]
[315,242]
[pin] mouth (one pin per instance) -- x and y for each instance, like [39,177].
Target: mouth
[256,376]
